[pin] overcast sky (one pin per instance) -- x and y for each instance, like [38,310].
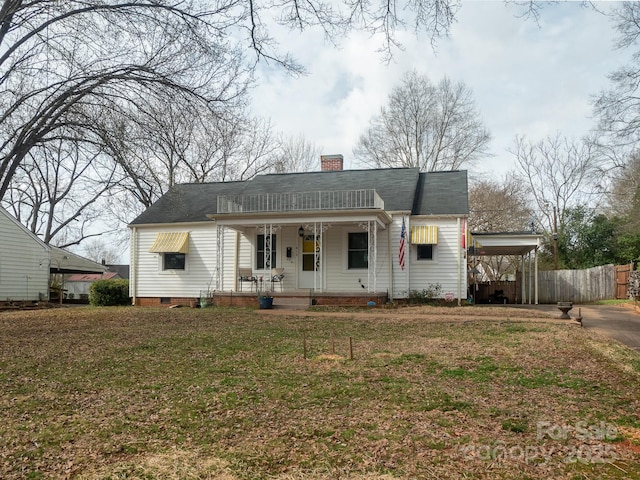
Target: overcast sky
[527,79]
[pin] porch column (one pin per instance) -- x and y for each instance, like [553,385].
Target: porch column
[316,256]
[318,273]
[268,232]
[375,256]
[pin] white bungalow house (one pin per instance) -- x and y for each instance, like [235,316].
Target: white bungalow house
[333,236]
[24,262]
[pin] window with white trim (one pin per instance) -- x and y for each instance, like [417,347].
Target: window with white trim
[358,250]
[260,252]
[425,252]
[174,261]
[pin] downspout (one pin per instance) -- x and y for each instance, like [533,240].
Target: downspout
[236,261]
[134,266]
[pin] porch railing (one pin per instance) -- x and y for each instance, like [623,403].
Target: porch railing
[300,201]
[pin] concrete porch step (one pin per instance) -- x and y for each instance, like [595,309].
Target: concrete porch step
[291,303]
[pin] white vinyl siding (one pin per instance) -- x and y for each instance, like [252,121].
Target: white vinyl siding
[24,263]
[240,251]
[200,266]
[443,268]
[339,278]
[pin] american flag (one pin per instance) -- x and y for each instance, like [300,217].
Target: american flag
[403,234]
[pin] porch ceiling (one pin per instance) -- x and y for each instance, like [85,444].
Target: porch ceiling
[514,243]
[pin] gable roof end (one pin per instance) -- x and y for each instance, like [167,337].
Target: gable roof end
[442,193]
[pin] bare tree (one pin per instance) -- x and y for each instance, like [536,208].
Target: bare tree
[431,127]
[500,206]
[167,144]
[296,154]
[162,142]
[81,71]
[559,173]
[99,250]
[56,55]
[62,59]
[624,197]
[616,108]
[57,189]
[256,150]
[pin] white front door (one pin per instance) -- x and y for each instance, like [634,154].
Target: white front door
[309,263]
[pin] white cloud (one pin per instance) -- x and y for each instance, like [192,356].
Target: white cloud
[527,79]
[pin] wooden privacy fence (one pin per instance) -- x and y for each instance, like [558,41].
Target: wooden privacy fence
[622,280]
[578,286]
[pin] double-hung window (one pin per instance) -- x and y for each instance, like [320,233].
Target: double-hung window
[260,252]
[358,250]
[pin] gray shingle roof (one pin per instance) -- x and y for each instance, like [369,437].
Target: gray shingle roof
[442,193]
[401,189]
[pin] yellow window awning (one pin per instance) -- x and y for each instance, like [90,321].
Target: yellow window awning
[171,242]
[424,235]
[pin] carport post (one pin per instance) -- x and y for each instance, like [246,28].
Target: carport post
[524,288]
[535,254]
[530,277]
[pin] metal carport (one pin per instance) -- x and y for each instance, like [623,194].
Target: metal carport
[509,243]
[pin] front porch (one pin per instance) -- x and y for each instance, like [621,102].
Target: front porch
[321,243]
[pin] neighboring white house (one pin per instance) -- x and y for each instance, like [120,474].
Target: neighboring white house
[335,233]
[24,262]
[77,285]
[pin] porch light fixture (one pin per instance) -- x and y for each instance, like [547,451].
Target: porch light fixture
[301,231]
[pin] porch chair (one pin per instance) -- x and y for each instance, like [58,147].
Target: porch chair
[277,276]
[246,275]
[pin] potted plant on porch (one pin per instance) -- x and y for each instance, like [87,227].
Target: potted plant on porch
[265,299]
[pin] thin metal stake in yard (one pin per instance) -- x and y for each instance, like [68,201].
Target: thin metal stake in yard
[350,348]
[333,345]
[304,345]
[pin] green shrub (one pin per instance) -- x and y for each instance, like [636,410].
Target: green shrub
[428,296]
[105,293]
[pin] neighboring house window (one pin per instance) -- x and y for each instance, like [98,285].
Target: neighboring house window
[358,252]
[425,252]
[174,261]
[260,252]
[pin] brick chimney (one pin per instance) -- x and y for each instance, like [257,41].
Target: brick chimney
[331,162]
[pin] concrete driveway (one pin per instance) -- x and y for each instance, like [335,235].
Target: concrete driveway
[619,322]
[614,321]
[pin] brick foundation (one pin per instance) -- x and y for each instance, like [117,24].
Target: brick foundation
[356,301]
[219,299]
[234,299]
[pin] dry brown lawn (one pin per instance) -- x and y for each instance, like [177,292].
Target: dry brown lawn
[115,393]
